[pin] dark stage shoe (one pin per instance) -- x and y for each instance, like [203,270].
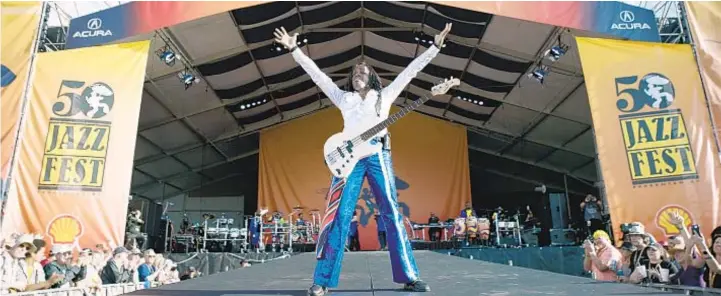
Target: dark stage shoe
[316,290]
[417,286]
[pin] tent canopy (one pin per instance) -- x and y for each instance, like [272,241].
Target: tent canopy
[207,134]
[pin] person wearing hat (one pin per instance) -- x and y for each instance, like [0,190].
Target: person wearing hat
[31,271]
[63,266]
[657,268]
[115,271]
[11,268]
[638,237]
[190,273]
[602,259]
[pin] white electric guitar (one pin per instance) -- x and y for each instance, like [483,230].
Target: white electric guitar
[343,150]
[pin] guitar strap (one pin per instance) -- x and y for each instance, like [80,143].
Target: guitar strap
[386,141]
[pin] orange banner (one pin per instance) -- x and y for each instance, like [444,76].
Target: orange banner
[430,161]
[653,133]
[20,22]
[704,19]
[75,161]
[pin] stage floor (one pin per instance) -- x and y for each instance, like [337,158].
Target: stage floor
[369,273]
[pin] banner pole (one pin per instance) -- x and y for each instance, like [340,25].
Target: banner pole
[684,21]
[23,109]
[601,185]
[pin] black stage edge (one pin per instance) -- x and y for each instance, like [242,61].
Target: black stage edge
[369,273]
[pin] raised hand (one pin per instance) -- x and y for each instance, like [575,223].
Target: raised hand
[282,37]
[441,37]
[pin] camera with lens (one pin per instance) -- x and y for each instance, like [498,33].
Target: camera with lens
[625,228]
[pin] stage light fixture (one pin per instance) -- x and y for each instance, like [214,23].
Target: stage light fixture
[423,38]
[557,51]
[249,105]
[187,78]
[477,102]
[539,73]
[167,55]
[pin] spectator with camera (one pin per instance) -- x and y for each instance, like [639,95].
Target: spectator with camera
[686,254]
[115,272]
[602,259]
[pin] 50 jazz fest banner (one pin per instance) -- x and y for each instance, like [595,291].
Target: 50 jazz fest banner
[19,27]
[653,133]
[430,161]
[75,163]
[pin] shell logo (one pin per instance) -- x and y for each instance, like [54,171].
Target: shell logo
[65,229]
[663,217]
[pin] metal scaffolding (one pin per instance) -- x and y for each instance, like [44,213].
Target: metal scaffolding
[671,20]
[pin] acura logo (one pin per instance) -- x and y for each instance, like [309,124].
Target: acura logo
[95,24]
[626,16]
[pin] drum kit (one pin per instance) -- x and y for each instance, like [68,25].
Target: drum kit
[219,234]
[278,232]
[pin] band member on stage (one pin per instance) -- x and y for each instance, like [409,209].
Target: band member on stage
[381,232]
[363,103]
[468,211]
[434,233]
[300,221]
[354,235]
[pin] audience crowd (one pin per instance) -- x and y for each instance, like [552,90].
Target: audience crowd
[686,259]
[25,267]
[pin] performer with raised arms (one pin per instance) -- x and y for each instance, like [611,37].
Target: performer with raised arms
[363,103]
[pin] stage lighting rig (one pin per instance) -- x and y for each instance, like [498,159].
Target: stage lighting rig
[557,51]
[539,73]
[248,105]
[300,41]
[167,55]
[477,102]
[427,39]
[188,78]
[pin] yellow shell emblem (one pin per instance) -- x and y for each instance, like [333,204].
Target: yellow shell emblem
[65,229]
[663,219]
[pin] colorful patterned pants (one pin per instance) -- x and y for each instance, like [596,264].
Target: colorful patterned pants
[342,199]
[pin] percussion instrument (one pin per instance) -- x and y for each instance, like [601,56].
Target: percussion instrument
[506,224]
[459,227]
[296,236]
[298,209]
[484,228]
[234,233]
[472,226]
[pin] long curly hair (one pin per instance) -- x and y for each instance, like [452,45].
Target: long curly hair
[374,83]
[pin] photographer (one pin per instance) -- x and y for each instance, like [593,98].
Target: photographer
[133,230]
[592,209]
[601,258]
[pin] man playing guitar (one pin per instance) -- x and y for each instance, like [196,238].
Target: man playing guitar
[363,103]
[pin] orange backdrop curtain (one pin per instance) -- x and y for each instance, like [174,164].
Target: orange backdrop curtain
[430,160]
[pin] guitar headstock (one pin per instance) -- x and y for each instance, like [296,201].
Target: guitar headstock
[443,87]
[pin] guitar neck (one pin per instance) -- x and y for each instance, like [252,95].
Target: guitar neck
[392,119]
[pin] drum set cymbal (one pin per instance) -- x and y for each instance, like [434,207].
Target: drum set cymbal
[298,209]
[208,216]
